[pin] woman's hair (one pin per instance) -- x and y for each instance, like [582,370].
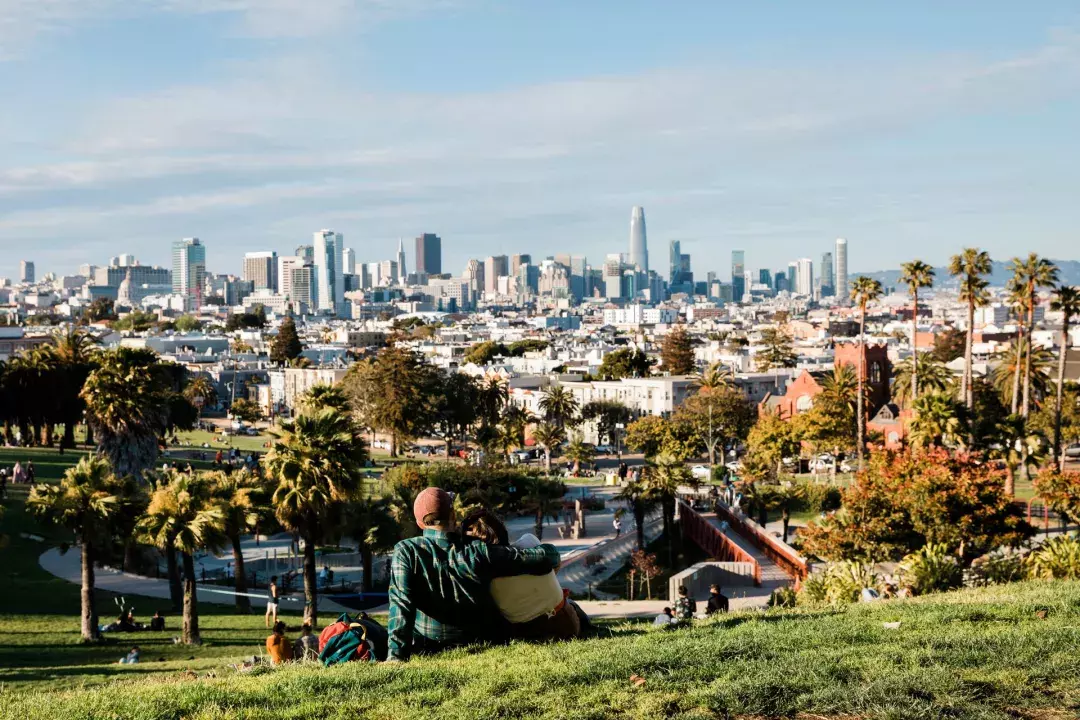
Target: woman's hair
[279,627]
[485,525]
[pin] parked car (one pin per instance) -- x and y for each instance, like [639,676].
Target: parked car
[701,472]
[734,466]
[603,450]
[1073,451]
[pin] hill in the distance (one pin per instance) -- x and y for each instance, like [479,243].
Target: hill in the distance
[1069,273]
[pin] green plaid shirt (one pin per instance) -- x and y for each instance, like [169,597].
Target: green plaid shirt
[439,588]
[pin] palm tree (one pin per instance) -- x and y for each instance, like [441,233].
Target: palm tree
[128,408]
[316,466]
[543,498]
[372,524]
[863,291]
[512,427]
[239,494]
[713,378]
[1066,301]
[934,377]
[84,502]
[842,386]
[1016,446]
[1018,299]
[578,452]
[200,392]
[548,436]
[559,406]
[184,514]
[323,396]
[936,422]
[640,499]
[915,274]
[1031,274]
[663,477]
[1005,373]
[73,349]
[971,265]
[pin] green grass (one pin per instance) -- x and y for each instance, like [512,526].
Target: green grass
[971,654]
[243,443]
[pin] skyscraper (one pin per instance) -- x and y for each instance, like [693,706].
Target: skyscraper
[494,268]
[402,272]
[307,252]
[613,276]
[348,261]
[841,271]
[792,271]
[828,281]
[639,254]
[738,274]
[804,277]
[474,276]
[189,271]
[675,261]
[429,254]
[286,265]
[516,261]
[26,271]
[765,278]
[329,284]
[260,268]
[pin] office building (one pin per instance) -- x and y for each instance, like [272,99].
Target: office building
[402,272]
[516,261]
[765,278]
[428,254]
[841,276]
[675,262]
[140,275]
[189,271]
[792,272]
[804,276]
[348,261]
[301,286]
[286,264]
[329,284]
[388,272]
[828,275]
[639,253]
[126,260]
[26,271]
[474,276]
[306,252]
[613,276]
[780,281]
[738,274]
[260,268]
[495,267]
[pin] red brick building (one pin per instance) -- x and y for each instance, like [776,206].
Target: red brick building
[799,396]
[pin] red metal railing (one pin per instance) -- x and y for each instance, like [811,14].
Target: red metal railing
[709,538]
[780,553]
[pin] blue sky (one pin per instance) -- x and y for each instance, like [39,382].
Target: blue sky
[910,128]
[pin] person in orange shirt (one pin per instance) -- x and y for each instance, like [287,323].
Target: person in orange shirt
[278,646]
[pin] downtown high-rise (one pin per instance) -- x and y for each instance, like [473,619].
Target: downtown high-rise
[329,281]
[639,253]
[841,271]
[828,275]
[429,254]
[738,275]
[261,270]
[189,271]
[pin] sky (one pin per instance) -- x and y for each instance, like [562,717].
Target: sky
[911,129]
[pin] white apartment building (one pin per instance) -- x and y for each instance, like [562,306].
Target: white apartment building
[288,384]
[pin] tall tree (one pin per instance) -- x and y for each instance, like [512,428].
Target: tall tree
[1016,355]
[970,265]
[1066,300]
[663,476]
[457,406]
[84,502]
[715,377]
[316,465]
[717,417]
[543,498]
[624,363]
[548,436]
[370,522]
[934,377]
[74,351]
[864,290]
[677,352]
[777,352]
[396,392]
[608,414]
[286,345]
[240,495]
[916,275]
[1017,446]
[937,422]
[559,406]
[127,401]
[184,514]
[321,396]
[1031,273]
[201,392]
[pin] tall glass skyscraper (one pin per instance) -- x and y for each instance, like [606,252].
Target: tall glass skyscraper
[329,283]
[841,271]
[429,254]
[639,253]
[828,277]
[738,274]
[189,271]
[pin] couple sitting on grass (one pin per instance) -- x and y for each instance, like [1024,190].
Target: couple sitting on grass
[456,585]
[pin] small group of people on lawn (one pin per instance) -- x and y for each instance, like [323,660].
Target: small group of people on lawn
[686,608]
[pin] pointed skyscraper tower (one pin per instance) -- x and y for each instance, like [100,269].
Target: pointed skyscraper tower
[402,273]
[639,255]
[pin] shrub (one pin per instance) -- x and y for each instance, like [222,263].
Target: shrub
[840,583]
[931,569]
[784,597]
[1057,558]
[821,497]
[1061,491]
[996,568]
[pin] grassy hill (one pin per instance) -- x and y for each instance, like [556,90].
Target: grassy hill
[1003,652]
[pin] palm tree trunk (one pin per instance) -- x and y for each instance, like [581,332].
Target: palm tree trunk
[68,440]
[89,607]
[859,398]
[191,600]
[547,461]
[539,527]
[1019,360]
[449,442]
[786,516]
[89,435]
[1024,410]
[1060,390]
[393,450]
[968,381]
[176,591]
[243,602]
[1010,479]
[311,598]
[639,523]
[914,345]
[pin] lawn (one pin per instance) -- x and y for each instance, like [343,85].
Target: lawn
[243,443]
[975,654]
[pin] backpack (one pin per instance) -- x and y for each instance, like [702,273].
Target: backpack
[352,638]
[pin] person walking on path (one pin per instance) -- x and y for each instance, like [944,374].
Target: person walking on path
[617,524]
[272,598]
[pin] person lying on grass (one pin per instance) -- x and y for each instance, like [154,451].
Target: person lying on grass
[440,582]
[535,605]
